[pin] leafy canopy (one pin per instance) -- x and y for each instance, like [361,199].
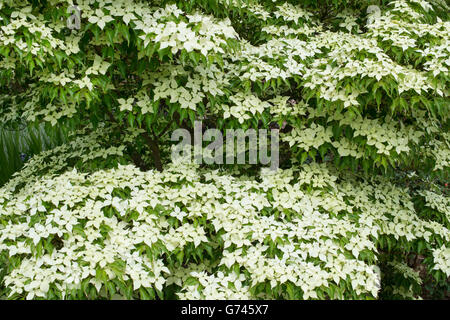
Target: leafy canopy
[360,94]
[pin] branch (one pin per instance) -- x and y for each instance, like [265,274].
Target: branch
[155,151]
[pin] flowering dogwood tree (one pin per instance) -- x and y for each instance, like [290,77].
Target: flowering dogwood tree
[359,208]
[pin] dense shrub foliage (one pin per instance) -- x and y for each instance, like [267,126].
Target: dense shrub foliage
[359,208]
[20,141]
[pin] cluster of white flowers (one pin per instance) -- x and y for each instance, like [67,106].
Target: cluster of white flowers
[437,202]
[405,34]
[189,93]
[349,21]
[252,7]
[441,257]
[218,286]
[307,137]
[244,106]
[290,12]
[179,35]
[385,136]
[12,34]
[440,150]
[346,147]
[110,218]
